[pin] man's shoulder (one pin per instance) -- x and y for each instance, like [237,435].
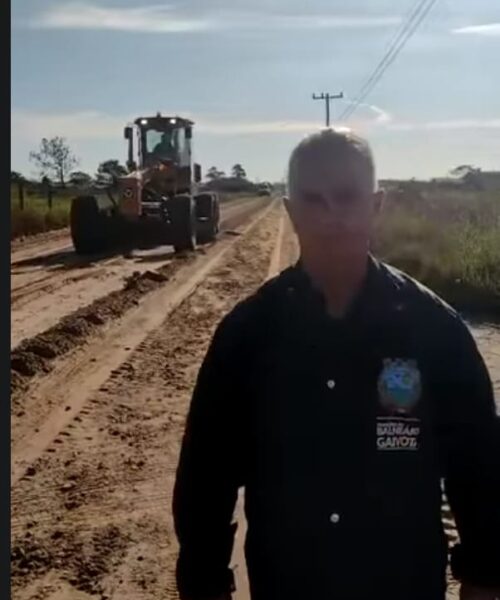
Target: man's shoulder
[259,307]
[422,300]
[259,310]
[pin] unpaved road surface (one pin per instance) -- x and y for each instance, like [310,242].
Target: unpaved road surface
[49,281]
[95,439]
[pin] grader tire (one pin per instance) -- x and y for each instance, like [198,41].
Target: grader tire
[87,225]
[207,214]
[182,215]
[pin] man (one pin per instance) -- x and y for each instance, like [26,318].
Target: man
[165,147]
[339,396]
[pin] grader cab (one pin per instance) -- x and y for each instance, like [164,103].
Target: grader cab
[156,201]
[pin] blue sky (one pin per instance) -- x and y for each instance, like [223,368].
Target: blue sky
[244,71]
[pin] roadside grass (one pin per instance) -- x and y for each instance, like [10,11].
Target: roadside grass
[450,243]
[36,216]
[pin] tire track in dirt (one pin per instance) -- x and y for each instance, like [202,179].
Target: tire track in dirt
[34,245]
[48,286]
[92,515]
[22,294]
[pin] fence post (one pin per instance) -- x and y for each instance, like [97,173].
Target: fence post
[48,192]
[20,189]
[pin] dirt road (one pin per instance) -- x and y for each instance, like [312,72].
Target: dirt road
[95,440]
[49,281]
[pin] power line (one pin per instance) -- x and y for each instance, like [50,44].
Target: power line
[401,36]
[390,57]
[405,22]
[405,32]
[390,47]
[327,98]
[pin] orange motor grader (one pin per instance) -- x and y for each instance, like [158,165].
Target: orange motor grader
[156,202]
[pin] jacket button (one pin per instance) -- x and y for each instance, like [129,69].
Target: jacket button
[331,384]
[334,518]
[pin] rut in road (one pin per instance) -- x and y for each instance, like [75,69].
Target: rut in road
[92,514]
[34,245]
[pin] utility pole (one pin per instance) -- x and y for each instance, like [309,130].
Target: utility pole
[327,97]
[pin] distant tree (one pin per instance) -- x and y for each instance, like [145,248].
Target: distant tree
[238,172]
[470,176]
[55,158]
[16,176]
[111,167]
[213,174]
[464,170]
[80,178]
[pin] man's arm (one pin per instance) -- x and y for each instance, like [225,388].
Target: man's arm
[470,429]
[210,471]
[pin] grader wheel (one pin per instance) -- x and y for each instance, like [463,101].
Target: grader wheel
[182,215]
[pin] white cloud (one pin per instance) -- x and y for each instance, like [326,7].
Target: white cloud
[91,124]
[449,125]
[489,29]
[82,125]
[94,125]
[153,19]
[168,19]
[320,21]
[256,128]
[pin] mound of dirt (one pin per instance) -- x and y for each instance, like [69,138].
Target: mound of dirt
[26,364]
[36,355]
[29,557]
[140,280]
[17,381]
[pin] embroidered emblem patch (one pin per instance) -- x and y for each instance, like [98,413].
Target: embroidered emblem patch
[399,386]
[399,389]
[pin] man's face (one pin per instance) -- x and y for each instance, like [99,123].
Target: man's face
[334,205]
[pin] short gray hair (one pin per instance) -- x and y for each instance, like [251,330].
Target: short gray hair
[335,143]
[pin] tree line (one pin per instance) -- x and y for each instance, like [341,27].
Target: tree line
[56,162]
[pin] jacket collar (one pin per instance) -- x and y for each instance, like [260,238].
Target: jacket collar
[377,293]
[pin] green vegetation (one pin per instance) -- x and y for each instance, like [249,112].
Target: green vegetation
[36,216]
[450,241]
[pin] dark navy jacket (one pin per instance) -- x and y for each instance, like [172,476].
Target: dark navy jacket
[342,432]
